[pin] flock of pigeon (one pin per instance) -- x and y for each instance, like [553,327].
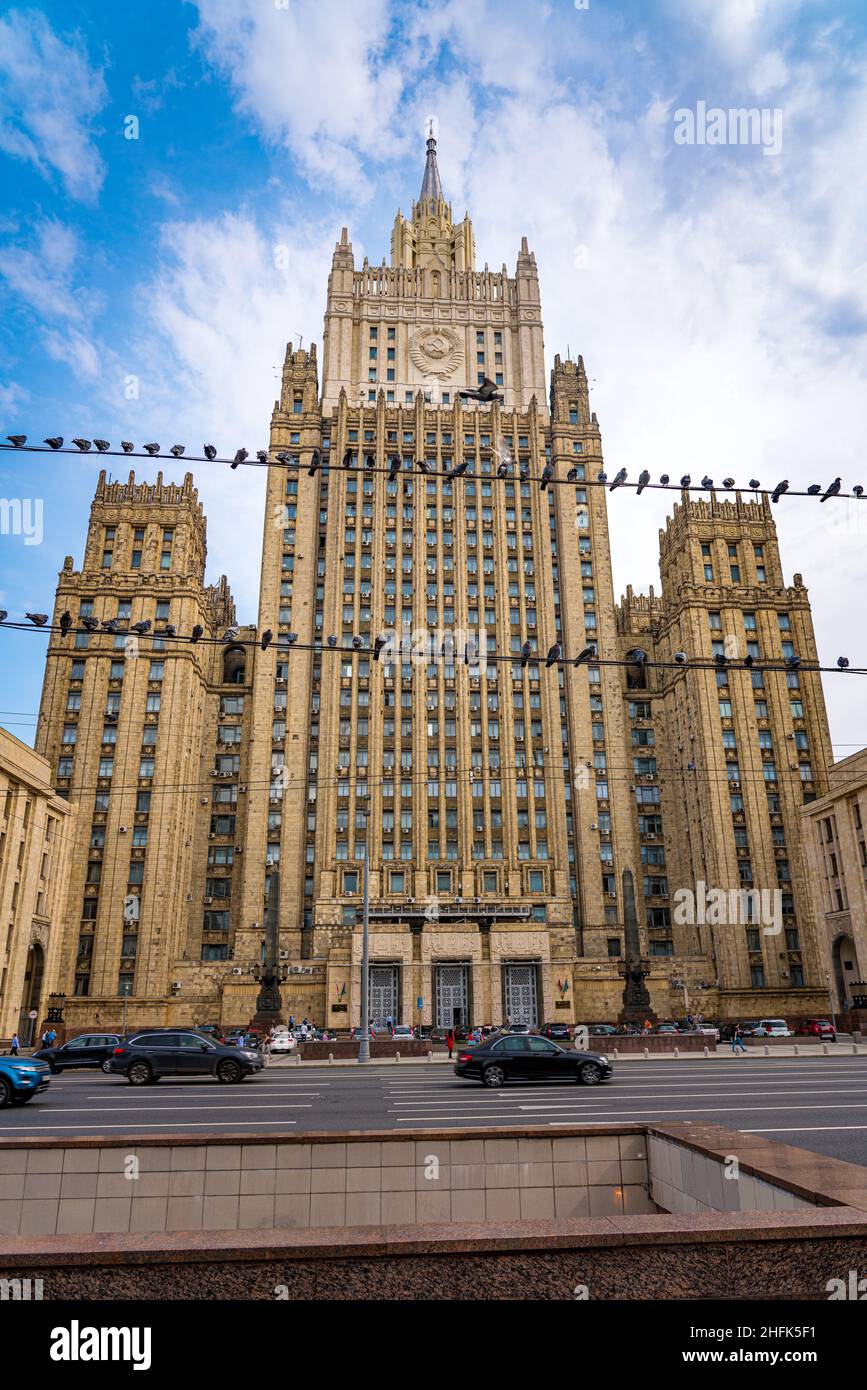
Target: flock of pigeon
[395,466]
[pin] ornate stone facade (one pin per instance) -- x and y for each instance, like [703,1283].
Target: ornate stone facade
[502,805]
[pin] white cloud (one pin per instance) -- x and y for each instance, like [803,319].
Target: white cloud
[50,97]
[314,77]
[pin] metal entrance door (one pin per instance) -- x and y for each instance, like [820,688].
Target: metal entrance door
[519,994]
[452,996]
[383,994]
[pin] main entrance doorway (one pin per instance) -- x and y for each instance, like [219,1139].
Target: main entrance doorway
[519,994]
[452,996]
[384,996]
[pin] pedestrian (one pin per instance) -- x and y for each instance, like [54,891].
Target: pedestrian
[15,1045]
[389,1023]
[52,1037]
[291,1020]
[738,1039]
[450,1041]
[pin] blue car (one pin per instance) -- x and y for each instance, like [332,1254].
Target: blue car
[20,1079]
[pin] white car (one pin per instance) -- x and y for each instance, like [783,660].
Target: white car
[772,1028]
[283,1042]
[402,1030]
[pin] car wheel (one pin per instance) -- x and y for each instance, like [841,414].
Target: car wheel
[105,1066]
[229,1072]
[589,1074]
[493,1077]
[139,1074]
[5,1093]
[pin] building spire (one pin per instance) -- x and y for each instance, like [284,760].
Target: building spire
[431,188]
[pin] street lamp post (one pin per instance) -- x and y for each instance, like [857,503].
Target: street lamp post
[364,1044]
[831,1004]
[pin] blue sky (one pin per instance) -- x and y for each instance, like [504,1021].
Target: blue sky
[717,293]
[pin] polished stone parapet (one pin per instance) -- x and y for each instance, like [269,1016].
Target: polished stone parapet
[329,1216]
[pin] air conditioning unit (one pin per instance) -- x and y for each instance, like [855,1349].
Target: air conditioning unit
[121,830]
[208,901]
[284,955]
[236,970]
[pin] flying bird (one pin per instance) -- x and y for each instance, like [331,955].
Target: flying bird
[486,393]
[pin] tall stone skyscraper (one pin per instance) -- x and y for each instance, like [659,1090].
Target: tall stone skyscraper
[502,798]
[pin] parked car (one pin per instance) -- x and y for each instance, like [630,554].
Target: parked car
[772,1028]
[710,1030]
[21,1078]
[559,1031]
[144,1057]
[816,1028]
[517,1057]
[519,1028]
[602,1030]
[283,1042]
[88,1050]
[666,1028]
[402,1032]
[211,1030]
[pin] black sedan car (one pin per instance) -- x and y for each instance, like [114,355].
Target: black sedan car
[144,1057]
[522,1058]
[88,1050]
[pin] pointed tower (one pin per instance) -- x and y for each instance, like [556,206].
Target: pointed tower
[429,321]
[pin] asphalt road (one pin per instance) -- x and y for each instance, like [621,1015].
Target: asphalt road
[817,1103]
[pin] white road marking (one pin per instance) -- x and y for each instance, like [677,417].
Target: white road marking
[154,1124]
[137,1109]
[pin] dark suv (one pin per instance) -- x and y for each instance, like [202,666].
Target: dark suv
[88,1050]
[145,1057]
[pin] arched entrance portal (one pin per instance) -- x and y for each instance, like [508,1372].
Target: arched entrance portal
[845,969]
[31,994]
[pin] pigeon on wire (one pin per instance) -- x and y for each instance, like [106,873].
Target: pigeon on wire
[685,480]
[126,446]
[618,479]
[663,480]
[526,652]
[82,444]
[814,489]
[707,482]
[176,450]
[547,475]
[240,456]
[55,442]
[832,490]
[554,654]
[755,484]
[779,490]
[39,619]
[643,480]
[151,449]
[102,445]
[210,452]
